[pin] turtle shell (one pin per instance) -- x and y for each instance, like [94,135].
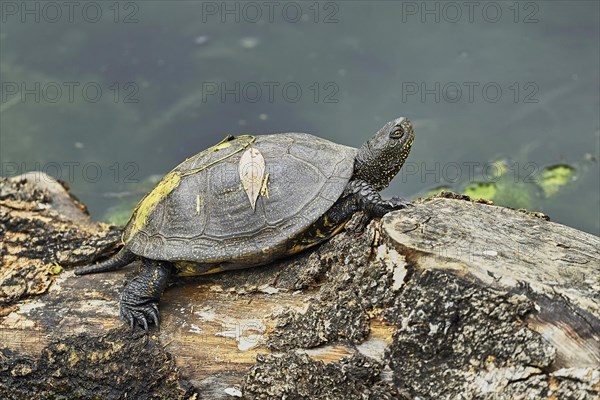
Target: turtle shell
[200,212]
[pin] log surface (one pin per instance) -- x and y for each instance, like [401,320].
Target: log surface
[450,299]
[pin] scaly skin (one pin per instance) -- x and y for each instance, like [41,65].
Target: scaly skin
[359,196]
[139,300]
[370,201]
[376,164]
[118,261]
[381,157]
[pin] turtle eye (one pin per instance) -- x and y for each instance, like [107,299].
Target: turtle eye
[397,132]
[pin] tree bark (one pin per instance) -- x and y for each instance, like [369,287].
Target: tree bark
[449,299]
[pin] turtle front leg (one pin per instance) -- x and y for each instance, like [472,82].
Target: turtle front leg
[369,200]
[139,301]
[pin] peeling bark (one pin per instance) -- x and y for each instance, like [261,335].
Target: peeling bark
[450,299]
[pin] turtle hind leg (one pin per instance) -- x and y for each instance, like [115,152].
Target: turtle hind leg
[139,300]
[118,261]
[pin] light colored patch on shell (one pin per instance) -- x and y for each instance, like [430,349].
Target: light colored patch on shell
[148,204]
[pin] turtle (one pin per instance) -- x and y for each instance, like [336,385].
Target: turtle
[250,200]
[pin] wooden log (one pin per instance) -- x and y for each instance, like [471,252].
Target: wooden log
[447,299]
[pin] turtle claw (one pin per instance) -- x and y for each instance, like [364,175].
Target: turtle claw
[398,203]
[155,316]
[381,207]
[140,315]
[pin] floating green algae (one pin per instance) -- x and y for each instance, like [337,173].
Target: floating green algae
[483,190]
[515,194]
[555,177]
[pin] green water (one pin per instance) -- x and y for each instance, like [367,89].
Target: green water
[106,95]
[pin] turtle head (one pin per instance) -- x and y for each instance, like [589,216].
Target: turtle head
[382,156]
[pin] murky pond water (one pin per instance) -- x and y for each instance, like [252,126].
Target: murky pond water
[504,95]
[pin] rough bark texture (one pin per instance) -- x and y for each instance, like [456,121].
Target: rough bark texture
[450,299]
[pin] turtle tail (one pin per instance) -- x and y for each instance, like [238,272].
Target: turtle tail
[118,261]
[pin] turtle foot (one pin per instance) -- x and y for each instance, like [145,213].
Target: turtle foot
[140,314]
[369,200]
[139,301]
